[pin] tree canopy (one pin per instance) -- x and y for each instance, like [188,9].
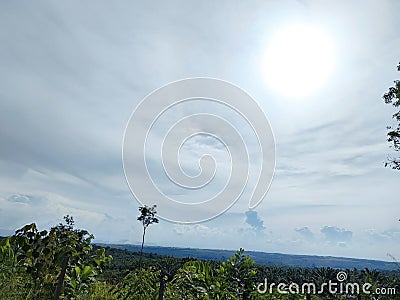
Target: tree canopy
[392,96]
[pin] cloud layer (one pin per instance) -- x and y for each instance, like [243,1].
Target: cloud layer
[71,74]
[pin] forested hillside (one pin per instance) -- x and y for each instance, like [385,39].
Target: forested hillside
[262,258]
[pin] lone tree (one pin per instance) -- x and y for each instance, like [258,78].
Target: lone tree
[147,217]
[392,96]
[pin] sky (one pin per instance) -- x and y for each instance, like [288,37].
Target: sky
[73,72]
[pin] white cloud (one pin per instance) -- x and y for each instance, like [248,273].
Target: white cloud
[336,235]
[305,232]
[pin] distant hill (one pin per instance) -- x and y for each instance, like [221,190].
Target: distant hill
[262,258]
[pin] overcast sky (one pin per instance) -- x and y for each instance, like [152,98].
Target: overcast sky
[72,72]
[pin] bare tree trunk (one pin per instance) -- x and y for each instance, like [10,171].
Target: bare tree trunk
[61,278]
[141,249]
[162,287]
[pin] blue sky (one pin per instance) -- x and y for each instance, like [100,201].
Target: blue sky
[72,73]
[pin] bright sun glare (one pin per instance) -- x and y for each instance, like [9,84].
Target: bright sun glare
[298,60]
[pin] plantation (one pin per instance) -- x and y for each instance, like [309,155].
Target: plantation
[62,263]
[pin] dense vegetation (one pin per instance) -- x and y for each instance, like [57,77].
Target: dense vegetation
[63,264]
[270,259]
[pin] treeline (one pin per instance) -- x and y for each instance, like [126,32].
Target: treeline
[125,261]
[62,263]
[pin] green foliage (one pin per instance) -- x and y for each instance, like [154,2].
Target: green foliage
[59,262]
[11,275]
[99,290]
[237,275]
[7,259]
[139,285]
[147,215]
[233,279]
[195,280]
[392,96]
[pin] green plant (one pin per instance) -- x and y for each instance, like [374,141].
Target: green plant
[60,262]
[238,275]
[195,280]
[139,285]
[232,280]
[12,276]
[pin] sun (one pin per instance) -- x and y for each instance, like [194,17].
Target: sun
[298,60]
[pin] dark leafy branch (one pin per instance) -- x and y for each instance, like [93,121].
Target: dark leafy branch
[392,96]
